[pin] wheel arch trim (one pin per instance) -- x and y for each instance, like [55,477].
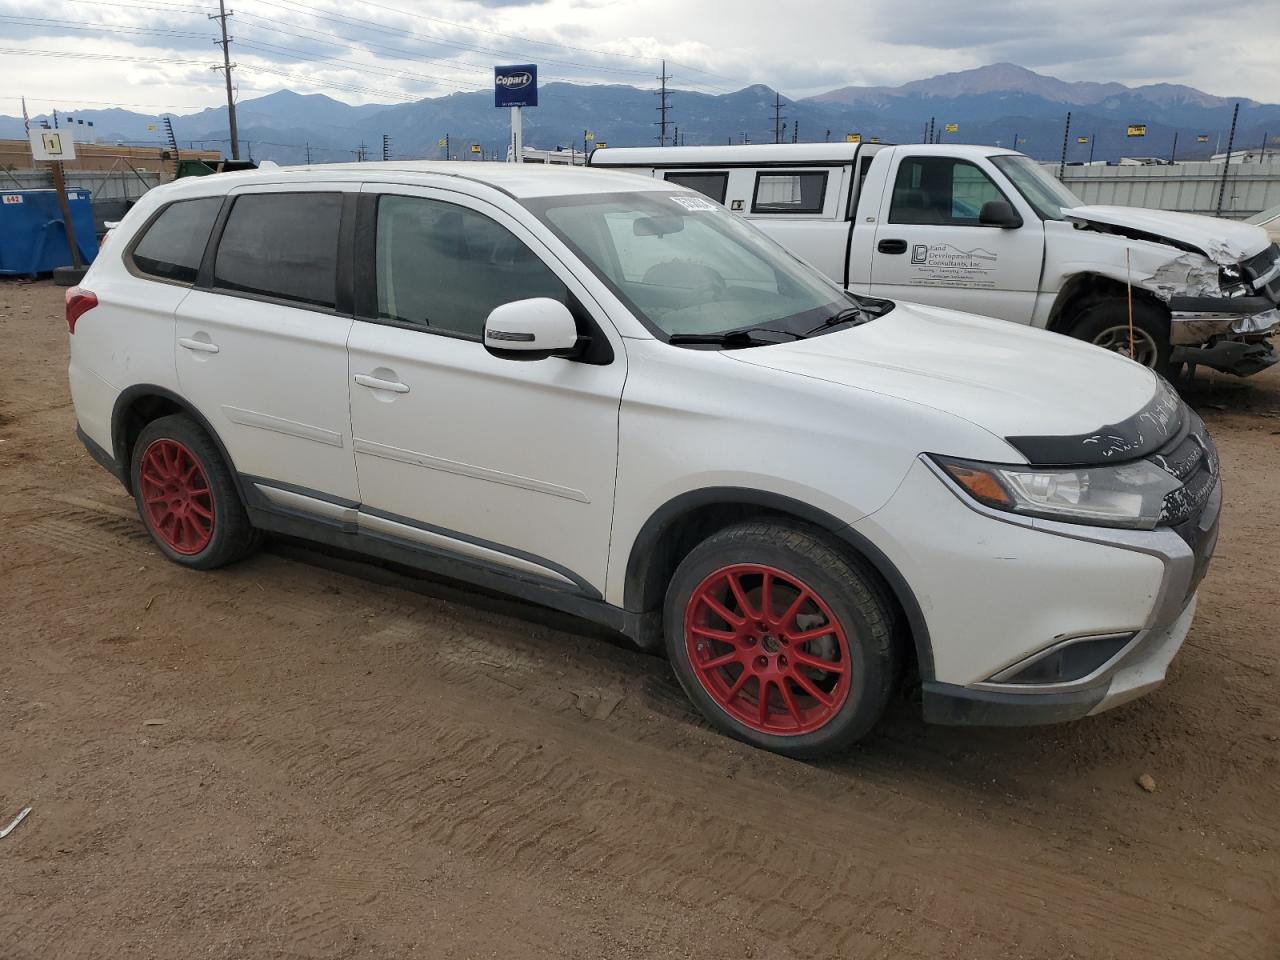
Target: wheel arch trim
[661,521]
[125,401]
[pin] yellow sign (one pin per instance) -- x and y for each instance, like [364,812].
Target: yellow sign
[1082,139]
[1202,139]
[601,145]
[589,136]
[875,140]
[1137,130]
[151,128]
[853,138]
[951,128]
[442,142]
[475,148]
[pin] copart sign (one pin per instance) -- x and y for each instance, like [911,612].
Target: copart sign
[515,85]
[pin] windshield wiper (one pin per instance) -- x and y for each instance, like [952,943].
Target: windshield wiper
[855,314]
[744,337]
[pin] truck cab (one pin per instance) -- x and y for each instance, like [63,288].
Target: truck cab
[990,231]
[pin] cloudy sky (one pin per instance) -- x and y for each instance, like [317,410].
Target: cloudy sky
[158,54]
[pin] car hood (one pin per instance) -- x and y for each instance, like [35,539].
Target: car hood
[1011,380]
[1222,241]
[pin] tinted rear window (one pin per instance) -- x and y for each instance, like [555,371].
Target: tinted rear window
[282,245]
[173,245]
[712,185]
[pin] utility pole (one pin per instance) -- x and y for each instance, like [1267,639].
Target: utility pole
[828,137]
[1264,146]
[1226,167]
[386,148]
[1092,138]
[363,154]
[1173,154]
[795,132]
[225,43]
[663,106]
[675,137]
[777,118]
[1066,135]
[308,149]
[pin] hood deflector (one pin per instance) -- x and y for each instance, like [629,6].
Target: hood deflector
[1133,438]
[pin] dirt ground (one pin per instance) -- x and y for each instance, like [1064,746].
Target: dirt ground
[286,759]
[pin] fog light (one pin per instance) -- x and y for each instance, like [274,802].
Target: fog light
[1072,660]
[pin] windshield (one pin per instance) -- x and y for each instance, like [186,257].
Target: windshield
[686,265]
[1043,192]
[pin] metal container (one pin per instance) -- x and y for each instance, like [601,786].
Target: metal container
[33,239]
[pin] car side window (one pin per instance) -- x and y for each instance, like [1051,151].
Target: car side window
[172,245]
[713,185]
[789,192]
[941,191]
[445,267]
[283,246]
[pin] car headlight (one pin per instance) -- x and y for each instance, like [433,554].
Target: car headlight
[1124,495]
[1231,281]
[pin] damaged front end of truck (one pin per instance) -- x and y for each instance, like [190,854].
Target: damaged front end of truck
[1223,293]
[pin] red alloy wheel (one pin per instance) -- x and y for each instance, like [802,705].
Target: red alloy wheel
[767,649]
[176,496]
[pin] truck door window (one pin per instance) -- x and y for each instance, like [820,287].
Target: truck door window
[789,192]
[940,191]
[713,185]
[444,267]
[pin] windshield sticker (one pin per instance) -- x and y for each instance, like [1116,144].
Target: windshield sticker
[694,203]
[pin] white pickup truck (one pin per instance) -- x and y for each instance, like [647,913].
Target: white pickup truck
[990,232]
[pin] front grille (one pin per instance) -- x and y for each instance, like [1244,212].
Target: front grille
[1192,459]
[1260,263]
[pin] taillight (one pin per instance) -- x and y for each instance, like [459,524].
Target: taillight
[79,302]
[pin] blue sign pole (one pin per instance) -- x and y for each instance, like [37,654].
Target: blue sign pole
[516,86]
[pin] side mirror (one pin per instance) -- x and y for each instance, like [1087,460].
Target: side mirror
[999,213]
[531,330]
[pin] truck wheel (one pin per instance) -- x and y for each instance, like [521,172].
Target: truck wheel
[186,496]
[1105,323]
[781,640]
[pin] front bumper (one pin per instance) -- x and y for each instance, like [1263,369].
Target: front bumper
[1228,333]
[1134,670]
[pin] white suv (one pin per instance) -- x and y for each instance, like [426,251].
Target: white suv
[608,395]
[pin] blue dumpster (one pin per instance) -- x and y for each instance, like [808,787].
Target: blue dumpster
[32,236]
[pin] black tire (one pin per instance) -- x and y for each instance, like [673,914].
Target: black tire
[857,601]
[1105,322]
[232,536]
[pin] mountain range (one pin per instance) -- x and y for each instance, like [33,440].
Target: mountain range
[999,103]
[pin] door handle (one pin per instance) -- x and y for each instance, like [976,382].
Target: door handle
[892,246]
[375,383]
[200,346]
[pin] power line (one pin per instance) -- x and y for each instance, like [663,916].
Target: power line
[38,22]
[78,55]
[105,103]
[392,74]
[544,43]
[350,88]
[297,9]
